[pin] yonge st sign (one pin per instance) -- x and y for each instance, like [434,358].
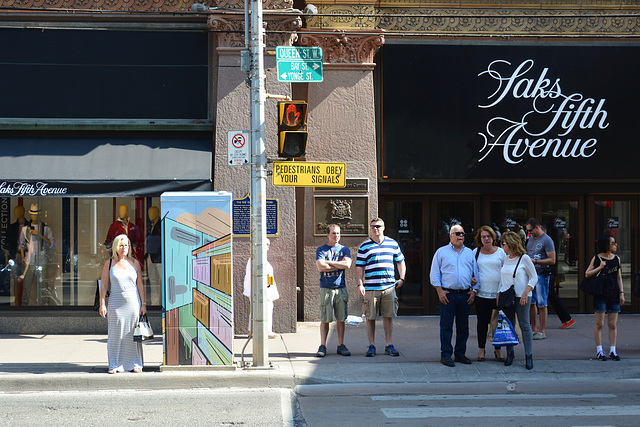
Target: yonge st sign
[553,125]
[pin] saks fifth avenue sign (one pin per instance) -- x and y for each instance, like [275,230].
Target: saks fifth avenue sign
[29,189]
[553,125]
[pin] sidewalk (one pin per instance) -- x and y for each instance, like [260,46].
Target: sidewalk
[78,362]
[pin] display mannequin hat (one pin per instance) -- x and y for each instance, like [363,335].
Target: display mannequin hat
[34,210]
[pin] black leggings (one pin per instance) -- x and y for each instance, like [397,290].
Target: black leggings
[484,308]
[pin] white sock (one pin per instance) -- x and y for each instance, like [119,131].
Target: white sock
[612,350]
[599,350]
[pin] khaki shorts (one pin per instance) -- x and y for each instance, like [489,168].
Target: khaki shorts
[333,300]
[383,302]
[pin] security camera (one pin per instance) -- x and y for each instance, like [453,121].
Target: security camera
[310,10]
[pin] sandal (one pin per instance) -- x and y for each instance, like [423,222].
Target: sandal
[112,371]
[481,358]
[137,370]
[498,358]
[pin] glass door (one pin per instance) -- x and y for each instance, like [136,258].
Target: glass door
[561,218]
[403,222]
[454,212]
[614,217]
[445,213]
[509,215]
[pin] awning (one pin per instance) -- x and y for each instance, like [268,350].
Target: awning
[103,167]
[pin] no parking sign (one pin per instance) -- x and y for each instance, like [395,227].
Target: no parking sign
[238,147]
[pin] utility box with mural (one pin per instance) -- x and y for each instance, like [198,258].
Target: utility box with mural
[197,278]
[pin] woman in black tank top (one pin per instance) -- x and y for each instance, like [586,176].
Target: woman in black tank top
[606,262]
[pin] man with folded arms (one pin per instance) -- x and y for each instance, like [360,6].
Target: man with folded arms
[332,259]
[452,271]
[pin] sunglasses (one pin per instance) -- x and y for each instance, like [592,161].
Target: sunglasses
[460,233]
[376,226]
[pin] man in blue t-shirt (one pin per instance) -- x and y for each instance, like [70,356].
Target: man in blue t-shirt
[542,251]
[377,283]
[332,260]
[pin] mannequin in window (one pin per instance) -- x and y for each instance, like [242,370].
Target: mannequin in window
[153,257]
[123,225]
[35,241]
[13,238]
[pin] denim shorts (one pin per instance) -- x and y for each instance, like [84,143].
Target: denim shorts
[541,291]
[606,306]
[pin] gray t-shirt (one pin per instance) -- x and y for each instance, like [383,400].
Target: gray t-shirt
[538,248]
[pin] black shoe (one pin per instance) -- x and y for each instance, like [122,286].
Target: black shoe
[447,362]
[391,350]
[510,356]
[529,362]
[498,358]
[322,351]
[600,356]
[615,357]
[343,350]
[463,359]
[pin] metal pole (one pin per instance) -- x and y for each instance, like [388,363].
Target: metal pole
[258,189]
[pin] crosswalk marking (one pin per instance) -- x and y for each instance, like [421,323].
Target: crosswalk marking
[489,396]
[511,411]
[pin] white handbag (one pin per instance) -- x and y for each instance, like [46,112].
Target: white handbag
[143,331]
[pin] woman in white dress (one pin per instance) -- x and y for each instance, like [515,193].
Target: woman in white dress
[122,276]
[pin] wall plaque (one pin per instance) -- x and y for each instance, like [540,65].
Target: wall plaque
[354,185]
[350,212]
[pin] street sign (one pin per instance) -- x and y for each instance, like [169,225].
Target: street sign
[299,64]
[238,147]
[309,174]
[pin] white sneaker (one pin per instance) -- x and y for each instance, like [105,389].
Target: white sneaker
[539,336]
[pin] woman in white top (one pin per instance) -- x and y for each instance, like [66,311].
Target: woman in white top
[523,281]
[490,259]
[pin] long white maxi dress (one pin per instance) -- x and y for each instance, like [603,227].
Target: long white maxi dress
[123,312]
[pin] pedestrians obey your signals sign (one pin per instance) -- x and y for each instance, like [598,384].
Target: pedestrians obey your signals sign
[309,174]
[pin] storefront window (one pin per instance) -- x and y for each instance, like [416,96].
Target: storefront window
[55,248]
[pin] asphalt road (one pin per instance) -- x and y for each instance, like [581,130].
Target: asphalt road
[547,403]
[196,407]
[514,404]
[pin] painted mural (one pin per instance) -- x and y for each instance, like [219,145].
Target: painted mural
[197,292]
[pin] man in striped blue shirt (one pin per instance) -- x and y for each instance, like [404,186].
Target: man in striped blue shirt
[377,283]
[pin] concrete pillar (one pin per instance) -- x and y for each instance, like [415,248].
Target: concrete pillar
[342,127]
[232,112]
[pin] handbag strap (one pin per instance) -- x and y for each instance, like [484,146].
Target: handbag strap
[516,269]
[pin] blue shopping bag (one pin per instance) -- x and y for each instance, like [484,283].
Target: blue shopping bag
[505,333]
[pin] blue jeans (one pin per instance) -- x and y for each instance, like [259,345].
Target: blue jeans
[541,291]
[457,309]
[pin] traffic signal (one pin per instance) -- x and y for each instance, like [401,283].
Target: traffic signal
[292,129]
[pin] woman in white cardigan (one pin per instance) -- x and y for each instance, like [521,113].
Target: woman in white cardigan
[518,271]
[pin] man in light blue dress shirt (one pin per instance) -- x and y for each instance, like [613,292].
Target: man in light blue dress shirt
[452,271]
